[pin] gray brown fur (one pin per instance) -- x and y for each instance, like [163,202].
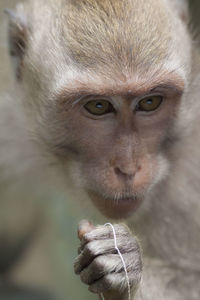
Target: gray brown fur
[120,50]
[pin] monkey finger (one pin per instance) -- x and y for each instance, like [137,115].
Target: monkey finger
[115,282]
[100,266]
[84,227]
[80,249]
[102,232]
[125,244]
[107,264]
[92,250]
[110,282]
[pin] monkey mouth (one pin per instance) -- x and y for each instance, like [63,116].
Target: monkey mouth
[123,207]
[116,207]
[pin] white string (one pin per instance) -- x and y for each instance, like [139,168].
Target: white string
[122,259]
[102,297]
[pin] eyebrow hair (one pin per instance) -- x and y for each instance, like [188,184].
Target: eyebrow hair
[76,92]
[179,89]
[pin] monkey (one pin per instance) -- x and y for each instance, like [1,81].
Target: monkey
[106,91]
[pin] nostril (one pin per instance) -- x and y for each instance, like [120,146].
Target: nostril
[126,175]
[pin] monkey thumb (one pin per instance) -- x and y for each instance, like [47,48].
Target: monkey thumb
[84,227]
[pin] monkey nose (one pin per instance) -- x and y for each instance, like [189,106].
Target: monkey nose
[126,174]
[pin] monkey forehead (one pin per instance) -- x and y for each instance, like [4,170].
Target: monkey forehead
[114,35]
[111,38]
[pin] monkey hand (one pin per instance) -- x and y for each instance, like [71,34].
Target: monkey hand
[99,264]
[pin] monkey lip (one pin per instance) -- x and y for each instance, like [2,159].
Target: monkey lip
[125,200]
[116,208]
[124,207]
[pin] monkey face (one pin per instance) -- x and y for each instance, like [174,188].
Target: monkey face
[115,142]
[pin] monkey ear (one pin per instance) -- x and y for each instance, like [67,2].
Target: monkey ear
[17,38]
[182,8]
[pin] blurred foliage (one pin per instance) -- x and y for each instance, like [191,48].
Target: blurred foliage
[195,8]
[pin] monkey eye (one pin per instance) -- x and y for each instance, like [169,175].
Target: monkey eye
[99,107]
[149,103]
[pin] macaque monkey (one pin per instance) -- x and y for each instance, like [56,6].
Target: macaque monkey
[109,90]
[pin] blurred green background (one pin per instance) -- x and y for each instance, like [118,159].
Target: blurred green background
[67,221]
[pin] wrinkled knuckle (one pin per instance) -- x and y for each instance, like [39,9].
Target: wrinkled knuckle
[76,266]
[117,227]
[134,244]
[98,263]
[89,249]
[80,249]
[121,229]
[136,267]
[86,237]
[125,229]
[108,281]
[139,274]
[136,277]
[139,264]
[84,278]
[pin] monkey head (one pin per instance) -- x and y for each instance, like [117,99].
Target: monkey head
[102,83]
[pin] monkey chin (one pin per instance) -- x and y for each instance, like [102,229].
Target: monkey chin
[116,208]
